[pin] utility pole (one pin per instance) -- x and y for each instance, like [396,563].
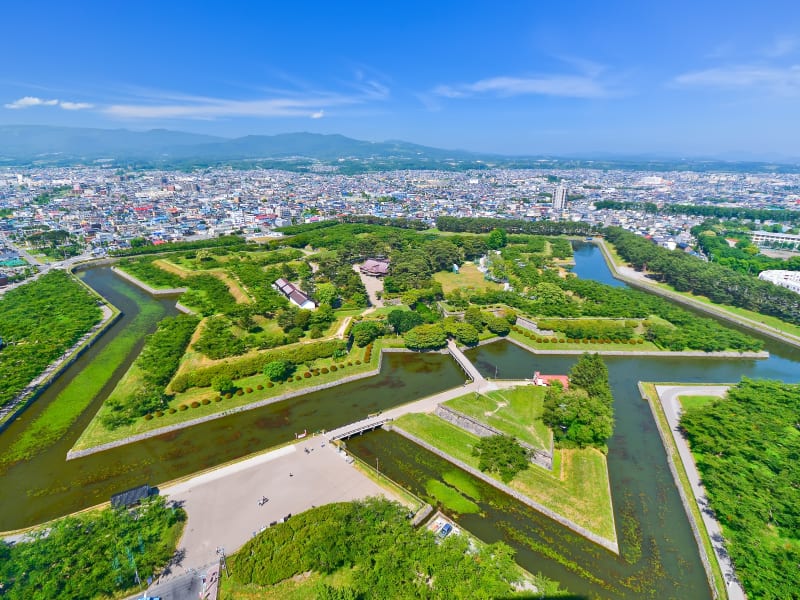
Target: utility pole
[221,553]
[377,470]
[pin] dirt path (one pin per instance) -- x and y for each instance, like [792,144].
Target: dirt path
[373,285]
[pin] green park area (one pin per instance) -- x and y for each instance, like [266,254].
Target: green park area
[370,550]
[98,554]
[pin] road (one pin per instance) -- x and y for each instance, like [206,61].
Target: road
[668,396]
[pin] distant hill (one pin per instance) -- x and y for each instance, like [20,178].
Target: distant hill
[43,144]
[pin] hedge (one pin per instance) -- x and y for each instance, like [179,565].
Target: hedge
[244,367]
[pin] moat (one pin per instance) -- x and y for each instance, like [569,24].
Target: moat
[47,486]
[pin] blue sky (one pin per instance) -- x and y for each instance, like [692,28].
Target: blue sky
[570,78]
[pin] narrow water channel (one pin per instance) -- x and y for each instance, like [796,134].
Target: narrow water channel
[48,486]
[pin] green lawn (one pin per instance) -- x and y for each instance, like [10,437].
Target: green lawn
[468,277]
[515,411]
[690,402]
[578,487]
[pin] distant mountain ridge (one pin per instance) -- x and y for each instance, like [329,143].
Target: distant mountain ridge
[27,143]
[43,145]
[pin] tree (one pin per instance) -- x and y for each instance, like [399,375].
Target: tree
[426,337]
[475,317]
[365,332]
[501,454]
[498,325]
[278,370]
[404,320]
[326,293]
[222,384]
[497,239]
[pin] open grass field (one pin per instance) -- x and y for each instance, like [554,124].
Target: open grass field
[468,277]
[515,411]
[690,402]
[577,488]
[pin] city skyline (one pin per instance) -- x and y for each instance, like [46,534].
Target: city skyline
[678,80]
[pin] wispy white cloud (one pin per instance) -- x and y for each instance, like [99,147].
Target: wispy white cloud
[280,104]
[30,101]
[777,80]
[75,105]
[587,83]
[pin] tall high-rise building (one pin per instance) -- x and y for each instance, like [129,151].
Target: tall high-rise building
[560,198]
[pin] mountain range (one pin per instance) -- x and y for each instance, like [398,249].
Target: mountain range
[43,145]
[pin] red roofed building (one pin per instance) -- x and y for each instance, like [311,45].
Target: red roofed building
[545,380]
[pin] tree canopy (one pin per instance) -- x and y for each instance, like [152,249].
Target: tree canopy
[501,454]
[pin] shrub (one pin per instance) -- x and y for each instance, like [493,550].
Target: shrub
[334,368]
[315,372]
[358,362]
[240,392]
[259,387]
[307,374]
[228,395]
[206,401]
[545,340]
[171,410]
[218,399]
[195,404]
[324,370]
[554,340]
[349,363]
[183,407]
[270,384]
[148,417]
[159,413]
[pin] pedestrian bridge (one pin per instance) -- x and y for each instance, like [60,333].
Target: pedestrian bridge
[357,428]
[470,369]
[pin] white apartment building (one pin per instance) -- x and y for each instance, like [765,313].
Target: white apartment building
[788,279]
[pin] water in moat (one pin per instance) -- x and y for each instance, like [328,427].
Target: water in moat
[47,486]
[642,486]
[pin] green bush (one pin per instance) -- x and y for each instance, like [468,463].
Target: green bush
[259,387]
[324,370]
[239,392]
[248,390]
[183,407]
[171,410]
[195,404]
[159,413]
[307,374]
[148,417]
[334,368]
[206,401]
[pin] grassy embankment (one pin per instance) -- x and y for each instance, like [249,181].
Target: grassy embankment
[672,451]
[691,402]
[209,404]
[733,310]
[577,488]
[517,411]
[62,412]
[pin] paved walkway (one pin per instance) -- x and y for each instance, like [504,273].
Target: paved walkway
[668,396]
[373,285]
[223,505]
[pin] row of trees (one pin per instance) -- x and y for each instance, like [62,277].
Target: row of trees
[582,415]
[720,284]
[706,210]
[486,224]
[747,447]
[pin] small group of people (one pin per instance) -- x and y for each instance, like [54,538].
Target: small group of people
[263,501]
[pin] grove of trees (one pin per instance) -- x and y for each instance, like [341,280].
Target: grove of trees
[38,322]
[582,415]
[746,447]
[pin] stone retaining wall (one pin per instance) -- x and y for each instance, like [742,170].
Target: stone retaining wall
[607,544]
[475,427]
[681,492]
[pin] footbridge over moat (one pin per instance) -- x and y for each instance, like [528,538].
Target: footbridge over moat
[470,369]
